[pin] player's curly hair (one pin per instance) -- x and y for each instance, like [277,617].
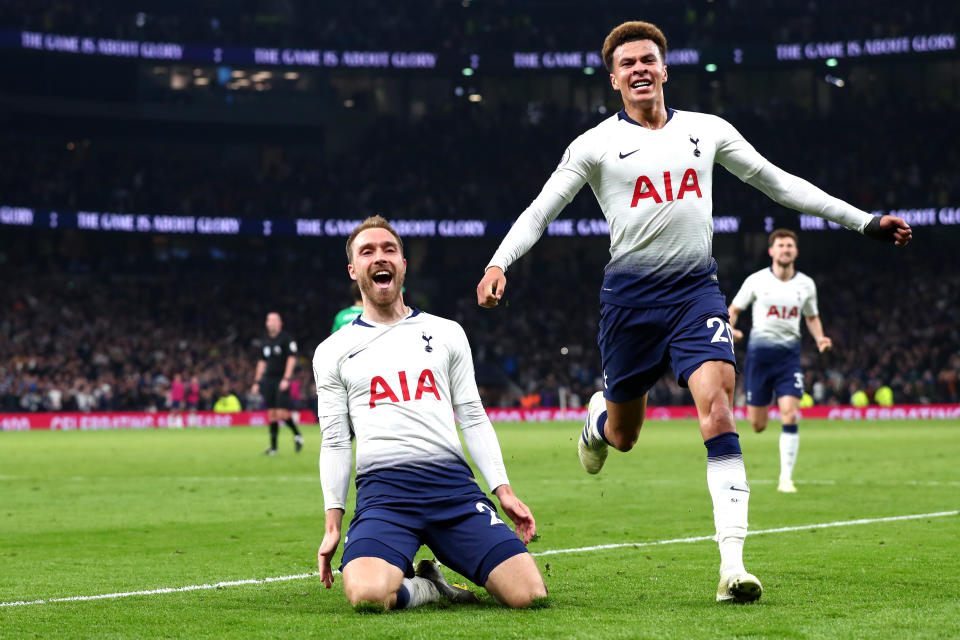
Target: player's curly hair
[373,222]
[782,233]
[631,32]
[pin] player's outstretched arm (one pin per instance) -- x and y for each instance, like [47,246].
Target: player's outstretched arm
[491,287]
[889,229]
[331,540]
[578,162]
[518,512]
[741,159]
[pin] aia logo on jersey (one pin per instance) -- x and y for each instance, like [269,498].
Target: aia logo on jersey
[783,313]
[646,189]
[380,389]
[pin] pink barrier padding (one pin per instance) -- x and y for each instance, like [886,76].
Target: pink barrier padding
[74,421]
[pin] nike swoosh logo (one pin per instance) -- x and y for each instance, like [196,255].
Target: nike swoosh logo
[355,353]
[736,489]
[624,155]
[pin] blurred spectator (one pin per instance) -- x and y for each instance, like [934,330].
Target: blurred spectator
[228,403]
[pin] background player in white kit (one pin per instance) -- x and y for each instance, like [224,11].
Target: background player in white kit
[650,168]
[779,295]
[393,378]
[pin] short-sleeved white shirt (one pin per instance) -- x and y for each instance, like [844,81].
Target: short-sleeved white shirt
[777,307]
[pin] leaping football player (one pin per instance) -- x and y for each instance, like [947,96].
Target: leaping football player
[650,168]
[394,378]
[779,295]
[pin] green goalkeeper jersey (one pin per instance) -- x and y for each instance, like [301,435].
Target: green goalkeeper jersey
[345,317]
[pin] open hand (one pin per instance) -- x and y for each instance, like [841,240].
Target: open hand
[331,540]
[520,514]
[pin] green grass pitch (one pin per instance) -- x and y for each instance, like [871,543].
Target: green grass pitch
[104,512]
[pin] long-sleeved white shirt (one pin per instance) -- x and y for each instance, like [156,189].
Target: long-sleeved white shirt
[655,188]
[396,388]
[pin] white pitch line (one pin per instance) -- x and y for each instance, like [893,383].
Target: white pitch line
[803,527]
[300,576]
[150,592]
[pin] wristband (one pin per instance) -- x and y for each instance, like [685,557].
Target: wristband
[873,230]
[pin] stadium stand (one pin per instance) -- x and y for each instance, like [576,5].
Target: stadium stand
[72,338]
[104,321]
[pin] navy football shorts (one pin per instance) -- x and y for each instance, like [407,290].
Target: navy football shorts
[637,345]
[465,533]
[765,377]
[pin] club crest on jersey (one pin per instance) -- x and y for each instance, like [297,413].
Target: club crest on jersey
[646,189]
[427,348]
[696,146]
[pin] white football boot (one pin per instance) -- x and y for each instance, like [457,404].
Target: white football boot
[590,446]
[739,587]
[786,486]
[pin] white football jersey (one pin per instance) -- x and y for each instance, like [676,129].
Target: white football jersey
[655,188]
[777,307]
[398,385]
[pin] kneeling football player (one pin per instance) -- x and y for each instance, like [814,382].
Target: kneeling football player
[393,379]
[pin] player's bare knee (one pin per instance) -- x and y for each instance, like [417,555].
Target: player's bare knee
[626,443]
[718,420]
[524,599]
[367,594]
[623,437]
[758,426]
[516,582]
[369,587]
[524,592]
[622,440]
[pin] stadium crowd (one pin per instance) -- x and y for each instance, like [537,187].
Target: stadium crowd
[156,176]
[100,331]
[105,322]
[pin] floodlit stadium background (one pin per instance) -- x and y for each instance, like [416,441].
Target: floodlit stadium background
[172,173]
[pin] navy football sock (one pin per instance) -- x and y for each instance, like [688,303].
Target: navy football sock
[601,425]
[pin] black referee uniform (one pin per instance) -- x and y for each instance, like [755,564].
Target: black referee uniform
[275,351]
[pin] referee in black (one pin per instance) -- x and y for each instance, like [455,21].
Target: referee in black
[272,379]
